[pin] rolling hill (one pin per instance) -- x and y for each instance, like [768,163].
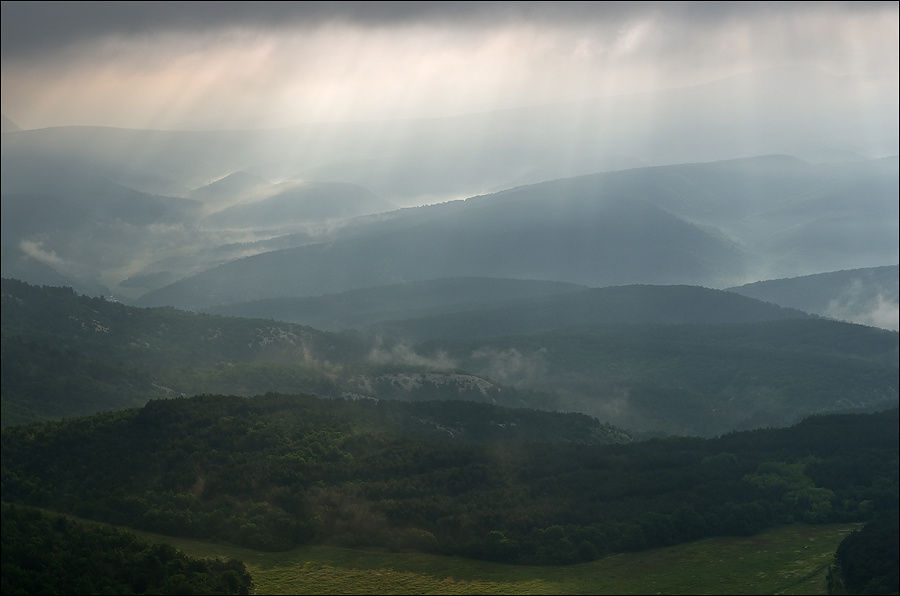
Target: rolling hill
[355,309]
[691,379]
[289,203]
[868,296]
[702,224]
[591,308]
[690,367]
[273,472]
[553,232]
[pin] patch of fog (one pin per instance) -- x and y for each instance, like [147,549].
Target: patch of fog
[858,305]
[510,366]
[882,312]
[36,251]
[614,406]
[401,353]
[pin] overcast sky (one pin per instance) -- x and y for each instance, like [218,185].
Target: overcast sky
[245,65]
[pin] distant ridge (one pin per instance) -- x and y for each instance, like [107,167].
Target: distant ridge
[568,230]
[231,188]
[364,307]
[869,296]
[596,307]
[309,201]
[67,355]
[709,224]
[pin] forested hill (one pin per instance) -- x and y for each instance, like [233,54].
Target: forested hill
[51,554]
[481,307]
[573,234]
[67,355]
[276,471]
[355,309]
[869,296]
[715,224]
[612,306]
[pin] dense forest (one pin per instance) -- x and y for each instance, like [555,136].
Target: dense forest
[276,471]
[50,554]
[868,560]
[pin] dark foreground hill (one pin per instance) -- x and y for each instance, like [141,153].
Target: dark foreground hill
[273,472]
[868,560]
[50,554]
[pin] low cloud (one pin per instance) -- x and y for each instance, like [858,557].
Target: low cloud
[510,366]
[859,304]
[882,312]
[403,354]
[36,251]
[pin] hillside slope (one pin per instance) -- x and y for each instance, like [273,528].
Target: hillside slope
[868,296]
[611,306]
[551,233]
[355,309]
[65,355]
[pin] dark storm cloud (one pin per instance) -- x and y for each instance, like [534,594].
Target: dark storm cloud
[37,28]
[239,64]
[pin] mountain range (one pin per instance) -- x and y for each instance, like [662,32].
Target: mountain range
[868,296]
[705,224]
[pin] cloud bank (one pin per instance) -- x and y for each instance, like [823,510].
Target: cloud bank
[243,65]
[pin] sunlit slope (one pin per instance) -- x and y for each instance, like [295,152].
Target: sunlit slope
[230,189]
[364,307]
[868,296]
[305,202]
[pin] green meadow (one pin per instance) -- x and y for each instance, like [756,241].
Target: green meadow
[787,560]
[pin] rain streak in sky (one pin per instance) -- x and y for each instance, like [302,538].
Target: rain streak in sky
[264,65]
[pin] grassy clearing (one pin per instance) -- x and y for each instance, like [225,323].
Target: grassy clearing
[787,560]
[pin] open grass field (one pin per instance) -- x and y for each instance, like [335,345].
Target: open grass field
[787,560]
